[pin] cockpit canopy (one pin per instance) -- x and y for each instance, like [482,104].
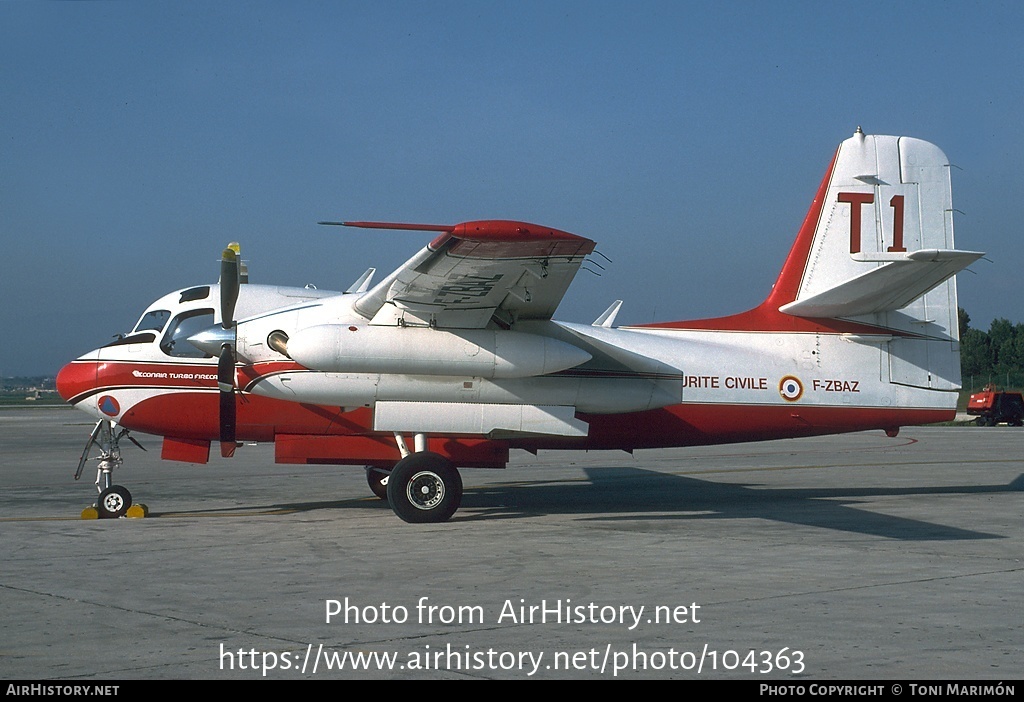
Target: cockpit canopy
[172,319]
[156,323]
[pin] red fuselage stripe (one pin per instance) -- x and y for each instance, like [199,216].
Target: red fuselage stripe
[194,415]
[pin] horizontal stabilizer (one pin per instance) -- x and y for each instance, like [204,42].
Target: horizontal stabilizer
[891,286]
[477,419]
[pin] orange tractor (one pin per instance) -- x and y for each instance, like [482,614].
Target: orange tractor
[992,406]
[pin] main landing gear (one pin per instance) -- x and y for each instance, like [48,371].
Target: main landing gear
[423,488]
[378,479]
[114,500]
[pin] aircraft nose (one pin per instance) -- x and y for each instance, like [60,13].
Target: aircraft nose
[64,382]
[75,378]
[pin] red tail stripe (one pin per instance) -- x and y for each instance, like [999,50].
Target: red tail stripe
[766,316]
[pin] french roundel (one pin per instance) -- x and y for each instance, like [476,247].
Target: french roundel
[791,388]
[109,406]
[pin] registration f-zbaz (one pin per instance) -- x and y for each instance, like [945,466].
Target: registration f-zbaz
[454,359]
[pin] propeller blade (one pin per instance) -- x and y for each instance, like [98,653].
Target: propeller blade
[226,384]
[229,282]
[230,279]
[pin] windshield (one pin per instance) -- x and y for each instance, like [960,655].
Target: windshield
[154,320]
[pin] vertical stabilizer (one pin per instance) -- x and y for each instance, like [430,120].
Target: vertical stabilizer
[874,258]
[882,254]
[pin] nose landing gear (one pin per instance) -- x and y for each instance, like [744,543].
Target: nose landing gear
[114,500]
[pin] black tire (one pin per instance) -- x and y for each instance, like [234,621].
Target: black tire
[425,488]
[981,421]
[114,502]
[378,479]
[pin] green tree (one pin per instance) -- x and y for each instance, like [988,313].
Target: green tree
[963,320]
[996,355]
[975,354]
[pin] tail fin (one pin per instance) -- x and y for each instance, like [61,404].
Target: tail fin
[882,254]
[874,257]
[884,237]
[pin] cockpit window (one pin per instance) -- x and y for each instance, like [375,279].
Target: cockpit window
[200,293]
[175,341]
[154,320]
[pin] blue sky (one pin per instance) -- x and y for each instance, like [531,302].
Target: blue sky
[687,139]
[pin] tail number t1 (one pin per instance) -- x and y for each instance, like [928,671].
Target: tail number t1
[858,199]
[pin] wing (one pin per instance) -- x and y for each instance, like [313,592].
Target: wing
[475,271]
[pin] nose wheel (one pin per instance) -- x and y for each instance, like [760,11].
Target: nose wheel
[114,502]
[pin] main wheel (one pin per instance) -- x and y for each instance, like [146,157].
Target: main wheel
[378,479]
[114,502]
[424,488]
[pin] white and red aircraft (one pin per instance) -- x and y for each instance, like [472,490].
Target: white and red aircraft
[457,349]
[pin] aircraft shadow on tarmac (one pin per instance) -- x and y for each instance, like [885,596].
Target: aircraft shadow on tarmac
[618,494]
[634,494]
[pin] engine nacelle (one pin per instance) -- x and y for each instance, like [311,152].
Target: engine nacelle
[349,348]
